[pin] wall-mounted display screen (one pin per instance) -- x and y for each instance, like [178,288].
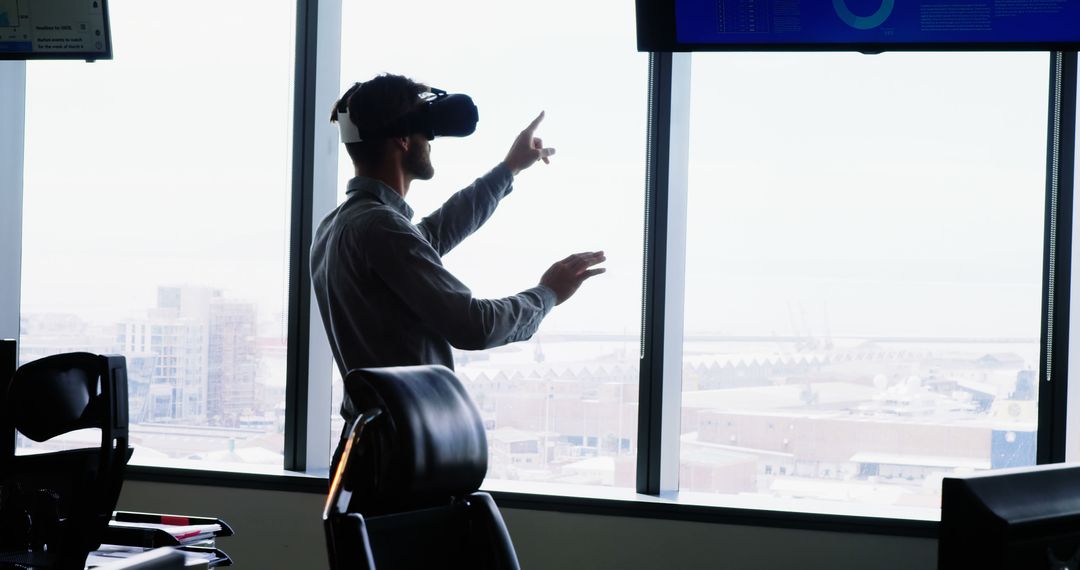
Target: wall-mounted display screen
[860,25]
[54,29]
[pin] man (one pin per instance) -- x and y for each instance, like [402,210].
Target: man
[383,293]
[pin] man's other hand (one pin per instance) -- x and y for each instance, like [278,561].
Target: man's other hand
[567,275]
[528,149]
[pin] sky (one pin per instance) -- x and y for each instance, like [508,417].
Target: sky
[896,194]
[169,164]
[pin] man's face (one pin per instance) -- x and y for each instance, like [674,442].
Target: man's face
[418,158]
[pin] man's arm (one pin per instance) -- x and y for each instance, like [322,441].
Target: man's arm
[468,209]
[413,271]
[411,268]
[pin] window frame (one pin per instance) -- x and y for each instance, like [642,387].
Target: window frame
[665,191]
[309,363]
[315,155]
[1054,439]
[660,377]
[1057,259]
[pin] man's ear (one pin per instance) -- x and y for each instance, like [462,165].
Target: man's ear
[402,143]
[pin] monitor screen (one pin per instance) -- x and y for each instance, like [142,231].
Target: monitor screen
[54,29]
[858,25]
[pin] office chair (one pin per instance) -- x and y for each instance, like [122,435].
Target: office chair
[403,494]
[55,507]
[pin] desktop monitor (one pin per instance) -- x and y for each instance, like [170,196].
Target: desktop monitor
[1026,518]
[54,29]
[869,26]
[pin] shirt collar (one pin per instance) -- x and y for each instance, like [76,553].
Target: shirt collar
[377,189]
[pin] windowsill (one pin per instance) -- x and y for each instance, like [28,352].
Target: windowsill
[716,508]
[224,474]
[582,499]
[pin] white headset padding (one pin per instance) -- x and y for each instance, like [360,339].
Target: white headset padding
[349,132]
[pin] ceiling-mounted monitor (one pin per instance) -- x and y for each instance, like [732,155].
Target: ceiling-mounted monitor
[54,29]
[857,25]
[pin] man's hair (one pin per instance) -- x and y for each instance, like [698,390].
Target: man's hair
[373,105]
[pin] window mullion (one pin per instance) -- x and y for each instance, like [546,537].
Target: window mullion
[1054,434]
[665,263]
[315,159]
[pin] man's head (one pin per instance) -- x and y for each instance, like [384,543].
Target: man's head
[373,106]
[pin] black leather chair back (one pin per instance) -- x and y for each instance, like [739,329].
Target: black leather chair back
[60,503]
[428,444]
[403,494]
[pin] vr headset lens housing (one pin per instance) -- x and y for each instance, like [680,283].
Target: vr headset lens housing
[444,115]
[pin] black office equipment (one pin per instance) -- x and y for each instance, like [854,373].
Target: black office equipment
[404,493]
[55,507]
[8,360]
[1027,518]
[857,25]
[55,29]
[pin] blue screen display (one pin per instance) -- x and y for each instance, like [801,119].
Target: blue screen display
[781,22]
[54,29]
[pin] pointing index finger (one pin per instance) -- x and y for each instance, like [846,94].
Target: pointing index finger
[535,123]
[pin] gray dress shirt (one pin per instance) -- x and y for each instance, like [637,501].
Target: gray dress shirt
[382,290]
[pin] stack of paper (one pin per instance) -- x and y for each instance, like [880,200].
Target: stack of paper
[110,554]
[184,534]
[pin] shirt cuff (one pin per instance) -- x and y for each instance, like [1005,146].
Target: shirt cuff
[500,180]
[547,297]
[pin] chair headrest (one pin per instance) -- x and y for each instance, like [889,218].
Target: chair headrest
[56,394]
[427,445]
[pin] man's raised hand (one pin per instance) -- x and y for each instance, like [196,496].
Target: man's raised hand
[567,275]
[528,149]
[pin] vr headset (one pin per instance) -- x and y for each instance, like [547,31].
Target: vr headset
[443,115]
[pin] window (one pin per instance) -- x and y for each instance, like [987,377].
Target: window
[571,391]
[864,264]
[156,221]
[862,302]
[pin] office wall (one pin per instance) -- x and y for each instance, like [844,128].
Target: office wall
[277,529]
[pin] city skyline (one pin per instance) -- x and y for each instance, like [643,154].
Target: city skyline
[561,408]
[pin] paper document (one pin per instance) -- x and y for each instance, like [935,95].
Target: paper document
[182,533]
[111,554]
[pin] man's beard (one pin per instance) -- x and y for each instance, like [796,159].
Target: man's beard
[418,163]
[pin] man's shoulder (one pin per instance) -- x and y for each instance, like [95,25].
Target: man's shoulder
[379,217]
[363,216]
